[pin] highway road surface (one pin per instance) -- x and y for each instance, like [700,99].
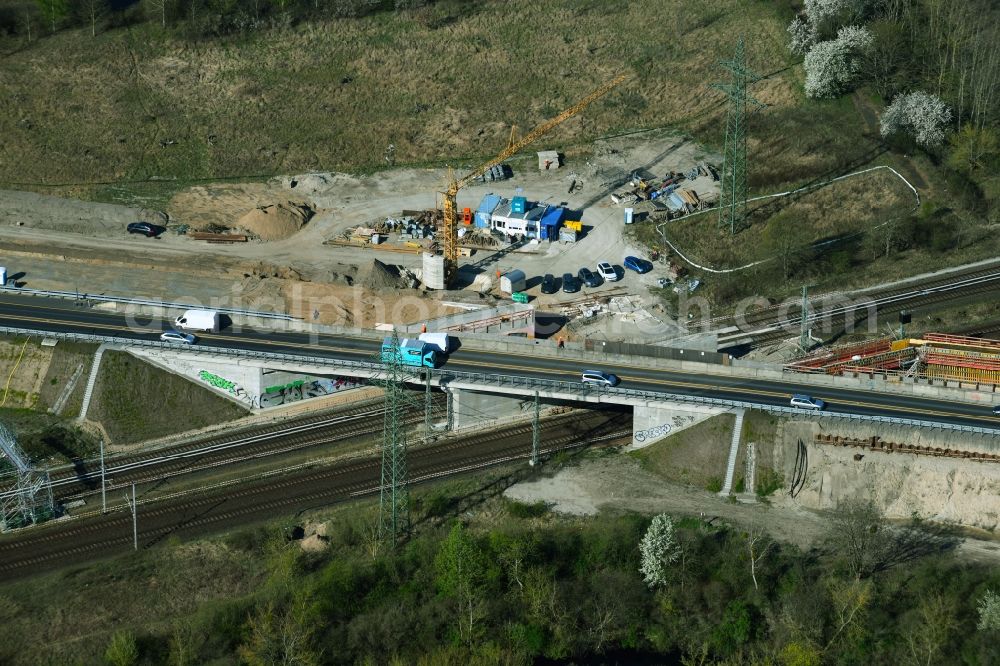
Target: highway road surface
[64,316]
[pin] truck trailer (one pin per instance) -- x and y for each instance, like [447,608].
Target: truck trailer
[410,352]
[198,320]
[440,341]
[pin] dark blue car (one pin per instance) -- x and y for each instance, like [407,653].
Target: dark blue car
[638,265]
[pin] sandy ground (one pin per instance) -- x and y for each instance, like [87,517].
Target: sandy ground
[620,483]
[110,261]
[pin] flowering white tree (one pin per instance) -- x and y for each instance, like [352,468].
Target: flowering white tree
[802,36]
[832,67]
[921,114]
[820,11]
[659,549]
[989,611]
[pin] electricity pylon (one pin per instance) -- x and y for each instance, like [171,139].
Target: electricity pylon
[733,195]
[30,499]
[394,500]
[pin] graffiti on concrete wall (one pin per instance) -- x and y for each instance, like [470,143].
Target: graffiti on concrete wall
[218,382]
[652,433]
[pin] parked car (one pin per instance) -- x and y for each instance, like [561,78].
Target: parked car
[638,265]
[807,402]
[607,271]
[600,378]
[145,228]
[177,336]
[588,277]
[996,410]
[549,285]
[570,285]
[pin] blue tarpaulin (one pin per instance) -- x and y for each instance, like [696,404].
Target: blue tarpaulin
[551,219]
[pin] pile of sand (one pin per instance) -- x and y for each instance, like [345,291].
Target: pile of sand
[381,276]
[275,221]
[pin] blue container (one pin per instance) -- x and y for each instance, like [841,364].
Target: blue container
[518,205]
[489,204]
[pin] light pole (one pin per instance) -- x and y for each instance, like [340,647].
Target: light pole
[135,523]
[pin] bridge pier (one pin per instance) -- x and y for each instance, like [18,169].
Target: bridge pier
[470,408]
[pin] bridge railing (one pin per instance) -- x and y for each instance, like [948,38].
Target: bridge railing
[527,383]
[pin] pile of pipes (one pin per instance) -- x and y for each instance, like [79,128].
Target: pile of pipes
[498,172]
[666,194]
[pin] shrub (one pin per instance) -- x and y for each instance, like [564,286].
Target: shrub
[527,509]
[768,481]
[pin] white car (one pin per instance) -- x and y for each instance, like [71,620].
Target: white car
[174,336]
[607,271]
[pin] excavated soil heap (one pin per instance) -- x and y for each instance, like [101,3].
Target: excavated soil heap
[380,276]
[276,221]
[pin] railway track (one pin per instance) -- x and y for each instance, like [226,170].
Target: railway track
[780,322]
[83,539]
[70,483]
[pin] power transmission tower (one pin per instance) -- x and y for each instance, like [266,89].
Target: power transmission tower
[30,499]
[733,197]
[394,501]
[536,432]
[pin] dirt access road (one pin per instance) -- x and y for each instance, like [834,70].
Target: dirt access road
[620,483]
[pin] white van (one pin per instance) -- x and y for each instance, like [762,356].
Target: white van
[807,402]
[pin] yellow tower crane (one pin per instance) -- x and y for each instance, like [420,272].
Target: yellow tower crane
[450,203]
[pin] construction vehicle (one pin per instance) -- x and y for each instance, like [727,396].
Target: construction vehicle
[451,196]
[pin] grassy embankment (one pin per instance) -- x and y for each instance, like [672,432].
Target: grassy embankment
[135,401]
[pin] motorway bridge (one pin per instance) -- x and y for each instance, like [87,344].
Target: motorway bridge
[50,316]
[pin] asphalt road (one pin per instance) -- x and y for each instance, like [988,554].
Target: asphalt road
[65,316]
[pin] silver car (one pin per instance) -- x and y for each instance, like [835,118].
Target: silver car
[175,336]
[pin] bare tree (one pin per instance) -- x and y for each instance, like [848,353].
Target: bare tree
[758,546]
[26,21]
[860,532]
[927,638]
[53,10]
[849,602]
[94,10]
[158,8]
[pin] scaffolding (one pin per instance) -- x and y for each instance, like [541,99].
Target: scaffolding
[29,500]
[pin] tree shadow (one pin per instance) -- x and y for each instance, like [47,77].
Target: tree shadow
[914,541]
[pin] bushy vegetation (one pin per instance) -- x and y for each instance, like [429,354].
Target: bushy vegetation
[564,590]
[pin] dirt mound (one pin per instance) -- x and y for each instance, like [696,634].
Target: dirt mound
[275,221]
[381,276]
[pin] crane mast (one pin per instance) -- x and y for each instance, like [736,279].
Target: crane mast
[451,196]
